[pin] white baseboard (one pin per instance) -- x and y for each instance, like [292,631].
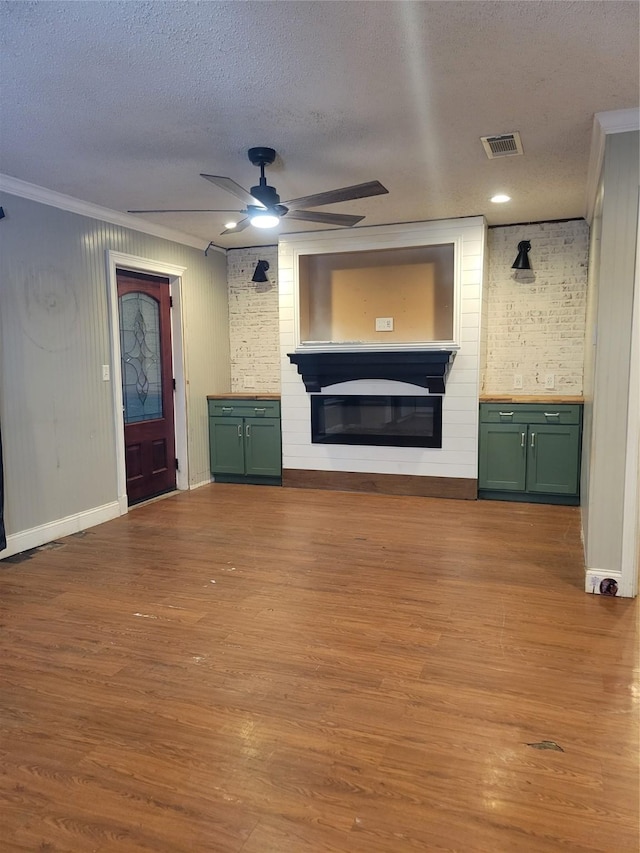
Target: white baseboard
[596,582]
[36,536]
[203,483]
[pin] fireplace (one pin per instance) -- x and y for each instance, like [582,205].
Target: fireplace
[382,420]
[374,347]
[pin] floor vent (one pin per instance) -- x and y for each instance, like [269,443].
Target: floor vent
[505,145]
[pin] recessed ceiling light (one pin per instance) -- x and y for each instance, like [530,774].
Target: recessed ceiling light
[230,224]
[500,198]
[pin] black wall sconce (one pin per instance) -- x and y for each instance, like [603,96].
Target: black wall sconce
[522,260]
[260,272]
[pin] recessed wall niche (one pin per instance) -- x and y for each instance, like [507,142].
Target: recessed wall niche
[346,297]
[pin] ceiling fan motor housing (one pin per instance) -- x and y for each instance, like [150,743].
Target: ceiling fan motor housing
[261,156]
[265,194]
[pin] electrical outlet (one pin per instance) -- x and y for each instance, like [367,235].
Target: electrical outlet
[549,381]
[602,583]
[517,381]
[384,324]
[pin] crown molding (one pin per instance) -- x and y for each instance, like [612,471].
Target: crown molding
[614,121]
[619,121]
[33,192]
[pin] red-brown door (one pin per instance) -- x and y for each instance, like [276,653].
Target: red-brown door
[144,307]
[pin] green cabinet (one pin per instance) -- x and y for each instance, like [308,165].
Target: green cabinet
[530,451]
[244,440]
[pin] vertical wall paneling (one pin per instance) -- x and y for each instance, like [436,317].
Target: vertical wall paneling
[612,476]
[591,316]
[631,510]
[56,410]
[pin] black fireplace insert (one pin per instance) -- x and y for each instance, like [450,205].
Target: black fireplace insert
[376,419]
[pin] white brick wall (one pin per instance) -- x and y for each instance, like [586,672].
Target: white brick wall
[253,321]
[458,455]
[537,326]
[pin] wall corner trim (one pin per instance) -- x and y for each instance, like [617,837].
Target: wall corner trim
[605,123]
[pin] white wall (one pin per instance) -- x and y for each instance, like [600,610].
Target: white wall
[536,319]
[459,453]
[254,341]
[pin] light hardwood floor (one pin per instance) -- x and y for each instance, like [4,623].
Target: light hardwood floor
[267,670]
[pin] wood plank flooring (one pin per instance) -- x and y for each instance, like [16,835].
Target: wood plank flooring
[249,669]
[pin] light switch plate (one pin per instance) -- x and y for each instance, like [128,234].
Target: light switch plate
[384,324]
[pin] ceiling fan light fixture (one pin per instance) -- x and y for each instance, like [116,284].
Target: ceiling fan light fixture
[264,219]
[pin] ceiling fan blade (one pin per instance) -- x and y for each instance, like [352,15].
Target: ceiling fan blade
[324,218]
[231,187]
[343,194]
[188,210]
[240,226]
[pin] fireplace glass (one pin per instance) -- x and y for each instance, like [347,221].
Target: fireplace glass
[376,419]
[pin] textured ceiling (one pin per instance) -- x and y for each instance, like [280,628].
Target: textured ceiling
[124,103]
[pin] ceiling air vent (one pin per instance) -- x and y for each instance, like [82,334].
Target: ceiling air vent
[505,145]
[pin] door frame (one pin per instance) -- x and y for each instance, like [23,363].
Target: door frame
[119,260]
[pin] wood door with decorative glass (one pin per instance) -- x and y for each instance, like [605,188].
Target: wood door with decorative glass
[144,306]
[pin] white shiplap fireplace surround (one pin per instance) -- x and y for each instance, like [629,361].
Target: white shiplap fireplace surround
[449,471]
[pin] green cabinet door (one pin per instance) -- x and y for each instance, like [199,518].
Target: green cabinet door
[226,445]
[503,457]
[553,459]
[263,447]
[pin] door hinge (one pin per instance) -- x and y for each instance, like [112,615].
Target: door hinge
[177,466]
[174,384]
[171,302]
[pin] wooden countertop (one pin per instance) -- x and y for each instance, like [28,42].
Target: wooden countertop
[241,395]
[531,398]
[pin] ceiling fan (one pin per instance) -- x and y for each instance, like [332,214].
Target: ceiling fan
[264,209]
